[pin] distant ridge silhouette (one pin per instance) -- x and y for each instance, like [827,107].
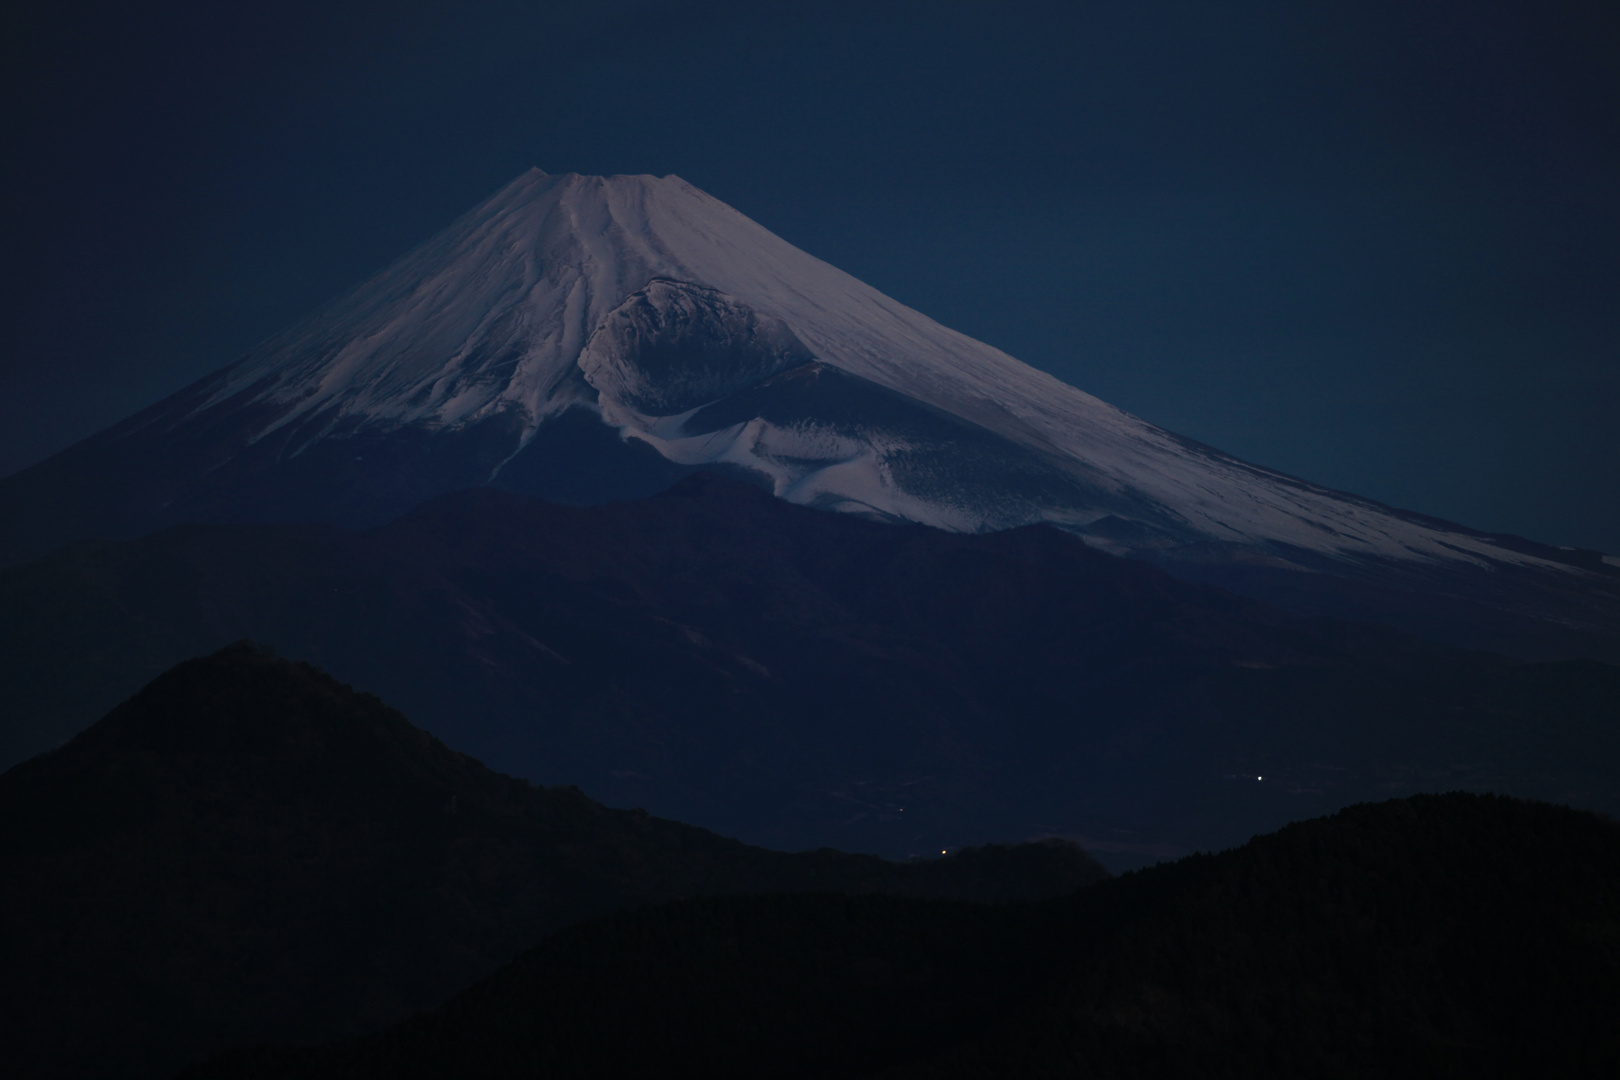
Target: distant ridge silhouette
[248,849]
[1432,936]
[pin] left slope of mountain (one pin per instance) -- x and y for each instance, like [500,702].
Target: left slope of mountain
[249,850]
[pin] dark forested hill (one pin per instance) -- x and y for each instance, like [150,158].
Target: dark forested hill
[802,679]
[248,849]
[1435,936]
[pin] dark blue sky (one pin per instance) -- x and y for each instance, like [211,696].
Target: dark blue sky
[1373,244]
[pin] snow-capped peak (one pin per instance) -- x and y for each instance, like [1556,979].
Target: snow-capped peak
[495,317]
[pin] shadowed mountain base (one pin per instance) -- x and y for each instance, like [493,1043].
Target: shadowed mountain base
[1436,936]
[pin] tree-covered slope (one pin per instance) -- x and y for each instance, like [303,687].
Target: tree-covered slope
[1433,936]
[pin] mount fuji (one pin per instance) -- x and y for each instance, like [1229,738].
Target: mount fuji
[591,339]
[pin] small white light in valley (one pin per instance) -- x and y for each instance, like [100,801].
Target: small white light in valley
[1259,778]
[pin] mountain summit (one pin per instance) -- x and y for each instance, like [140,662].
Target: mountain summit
[593,338]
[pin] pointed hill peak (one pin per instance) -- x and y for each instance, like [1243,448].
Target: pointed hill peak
[245,699]
[244,724]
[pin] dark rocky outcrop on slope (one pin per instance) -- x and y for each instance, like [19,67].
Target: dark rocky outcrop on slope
[1448,935]
[248,849]
[803,679]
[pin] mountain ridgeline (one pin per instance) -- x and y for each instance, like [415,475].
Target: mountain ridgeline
[1451,935]
[590,339]
[248,850]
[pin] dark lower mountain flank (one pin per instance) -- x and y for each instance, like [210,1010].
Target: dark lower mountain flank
[249,850]
[802,679]
[1452,935]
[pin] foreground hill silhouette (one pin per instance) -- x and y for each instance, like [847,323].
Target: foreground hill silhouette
[1456,935]
[248,850]
[803,679]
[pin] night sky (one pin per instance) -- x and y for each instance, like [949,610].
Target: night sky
[1376,245]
